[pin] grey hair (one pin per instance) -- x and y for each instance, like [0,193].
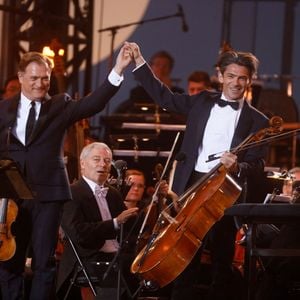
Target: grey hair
[87,149]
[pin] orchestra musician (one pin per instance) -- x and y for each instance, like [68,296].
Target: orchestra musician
[85,219]
[216,122]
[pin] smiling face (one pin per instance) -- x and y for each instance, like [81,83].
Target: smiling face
[96,165]
[35,80]
[235,81]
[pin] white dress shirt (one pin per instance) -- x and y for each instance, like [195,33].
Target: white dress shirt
[22,115]
[218,134]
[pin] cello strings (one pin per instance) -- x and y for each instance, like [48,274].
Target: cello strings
[255,143]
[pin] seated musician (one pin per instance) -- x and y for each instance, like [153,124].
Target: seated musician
[136,196]
[93,218]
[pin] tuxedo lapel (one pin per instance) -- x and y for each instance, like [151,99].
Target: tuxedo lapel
[243,126]
[88,196]
[203,113]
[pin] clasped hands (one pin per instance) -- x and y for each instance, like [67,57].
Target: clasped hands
[128,53]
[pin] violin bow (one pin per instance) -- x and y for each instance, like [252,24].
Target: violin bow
[154,196]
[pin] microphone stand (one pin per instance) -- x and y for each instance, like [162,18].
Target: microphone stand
[116,259]
[114,30]
[119,266]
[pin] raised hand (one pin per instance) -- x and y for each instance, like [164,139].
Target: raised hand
[124,58]
[135,53]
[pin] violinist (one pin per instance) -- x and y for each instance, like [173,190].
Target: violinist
[136,184]
[136,197]
[216,122]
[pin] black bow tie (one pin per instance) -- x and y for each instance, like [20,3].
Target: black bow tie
[234,104]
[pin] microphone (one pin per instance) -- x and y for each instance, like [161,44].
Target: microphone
[120,166]
[184,26]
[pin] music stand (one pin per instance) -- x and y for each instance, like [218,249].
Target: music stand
[13,184]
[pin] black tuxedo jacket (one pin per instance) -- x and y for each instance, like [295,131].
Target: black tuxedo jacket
[83,222]
[197,110]
[41,160]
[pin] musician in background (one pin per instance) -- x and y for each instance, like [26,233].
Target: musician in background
[135,196]
[94,217]
[198,81]
[287,188]
[216,123]
[11,87]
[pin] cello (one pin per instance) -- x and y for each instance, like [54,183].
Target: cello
[172,247]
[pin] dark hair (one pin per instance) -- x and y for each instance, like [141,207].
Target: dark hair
[36,57]
[245,59]
[200,76]
[163,54]
[131,172]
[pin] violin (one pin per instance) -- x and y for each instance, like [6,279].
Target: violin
[8,214]
[171,247]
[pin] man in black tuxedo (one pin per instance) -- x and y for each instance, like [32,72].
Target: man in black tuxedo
[32,130]
[216,123]
[84,220]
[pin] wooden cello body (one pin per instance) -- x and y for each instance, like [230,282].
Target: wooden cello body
[172,248]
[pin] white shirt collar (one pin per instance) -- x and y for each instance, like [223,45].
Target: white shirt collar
[92,184]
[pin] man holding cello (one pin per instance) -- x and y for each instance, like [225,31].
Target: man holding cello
[216,123]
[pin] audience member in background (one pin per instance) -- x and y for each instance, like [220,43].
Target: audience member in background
[12,87]
[197,82]
[162,64]
[93,218]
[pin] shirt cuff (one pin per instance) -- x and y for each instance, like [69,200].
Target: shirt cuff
[114,78]
[116,225]
[136,68]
